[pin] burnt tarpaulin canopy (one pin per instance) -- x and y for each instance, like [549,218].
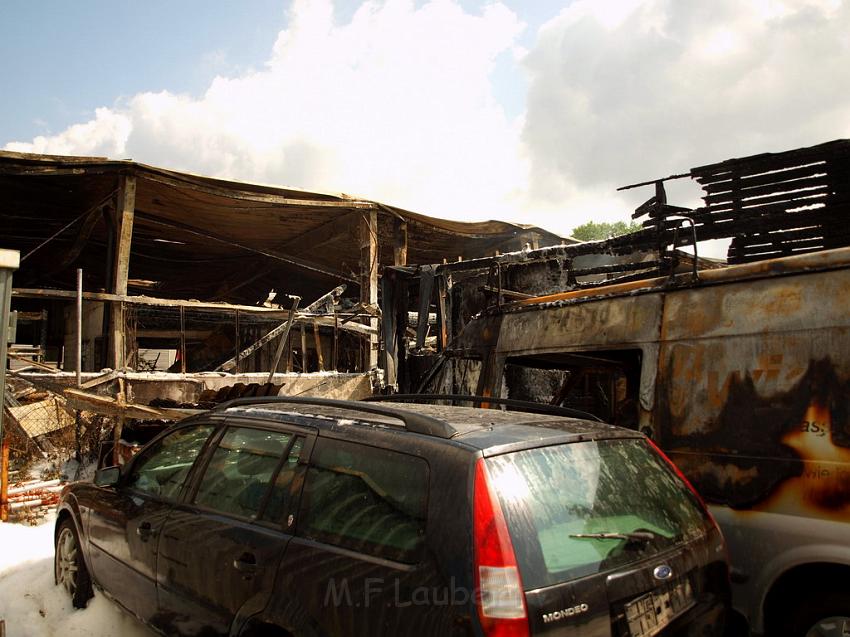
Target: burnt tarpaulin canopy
[212,239]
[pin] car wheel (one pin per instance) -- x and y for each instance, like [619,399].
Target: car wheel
[69,567]
[823,616]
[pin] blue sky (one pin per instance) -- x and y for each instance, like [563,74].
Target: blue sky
[63,59]
[529,111]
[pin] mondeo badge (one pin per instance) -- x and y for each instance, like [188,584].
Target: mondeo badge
[663,572]
[564,613]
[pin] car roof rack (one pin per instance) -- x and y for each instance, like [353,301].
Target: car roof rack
[416,423]
[518,405]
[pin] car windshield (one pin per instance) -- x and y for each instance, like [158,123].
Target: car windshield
[588,507]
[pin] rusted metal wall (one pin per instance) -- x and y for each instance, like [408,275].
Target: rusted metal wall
[745,380]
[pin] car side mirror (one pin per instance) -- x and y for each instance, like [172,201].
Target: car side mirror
[107,477]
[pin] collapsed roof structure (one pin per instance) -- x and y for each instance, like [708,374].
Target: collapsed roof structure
[140,230]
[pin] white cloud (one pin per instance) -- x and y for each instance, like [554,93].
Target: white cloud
[398,104]
[105,135]
[656,87]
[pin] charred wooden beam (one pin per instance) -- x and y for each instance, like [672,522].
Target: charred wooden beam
[399,242]
[369,282]
[124,218]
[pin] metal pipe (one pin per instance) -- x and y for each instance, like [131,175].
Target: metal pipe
[79,326]
[694,270]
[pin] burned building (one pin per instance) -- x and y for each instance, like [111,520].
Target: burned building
[194,290]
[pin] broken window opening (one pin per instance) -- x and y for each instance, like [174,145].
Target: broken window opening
[605,383]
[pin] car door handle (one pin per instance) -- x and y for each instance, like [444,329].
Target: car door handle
[246,563]
[144,530]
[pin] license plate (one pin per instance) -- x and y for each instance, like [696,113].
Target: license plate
[649,614]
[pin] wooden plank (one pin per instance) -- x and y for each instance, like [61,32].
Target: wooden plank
[442,318]
[823,217]
[336,343]
[800,187]
[284,340]
[369,283]
[124,218]
[125,212]
[399,242]
[108,406]
[145,300]
[784,175]
[198,305]
[289,365]
[100,380]
[29,361]
[795,200]
[765,162]
[303,349]
[318,341]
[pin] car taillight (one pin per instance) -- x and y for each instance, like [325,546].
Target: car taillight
[498,586]
[681,475]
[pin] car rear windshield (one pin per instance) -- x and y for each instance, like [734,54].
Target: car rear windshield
[559,501]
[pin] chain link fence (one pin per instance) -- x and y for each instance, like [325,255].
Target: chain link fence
[39,425]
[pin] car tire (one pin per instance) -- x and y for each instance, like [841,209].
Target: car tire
[812,616]
[69,568]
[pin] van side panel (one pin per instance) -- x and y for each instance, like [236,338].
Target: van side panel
[751,397]
[752,403]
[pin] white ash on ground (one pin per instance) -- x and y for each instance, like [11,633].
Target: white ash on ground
[33,606]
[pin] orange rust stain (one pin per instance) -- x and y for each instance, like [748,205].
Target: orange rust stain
[618,288]
[687,364]
[823,488]
[717,393]
[783,301]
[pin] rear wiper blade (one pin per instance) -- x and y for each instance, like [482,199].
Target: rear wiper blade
[634,536]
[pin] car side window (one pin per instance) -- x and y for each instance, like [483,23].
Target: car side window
[366,499]
[278,504]
[241,470]
[162,468]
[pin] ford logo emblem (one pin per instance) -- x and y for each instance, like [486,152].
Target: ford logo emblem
[662,572]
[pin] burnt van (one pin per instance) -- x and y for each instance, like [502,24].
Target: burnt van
[741,375]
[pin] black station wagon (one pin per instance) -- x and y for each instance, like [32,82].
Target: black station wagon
[317,517]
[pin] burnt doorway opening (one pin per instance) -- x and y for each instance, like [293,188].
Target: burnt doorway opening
[605,383]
